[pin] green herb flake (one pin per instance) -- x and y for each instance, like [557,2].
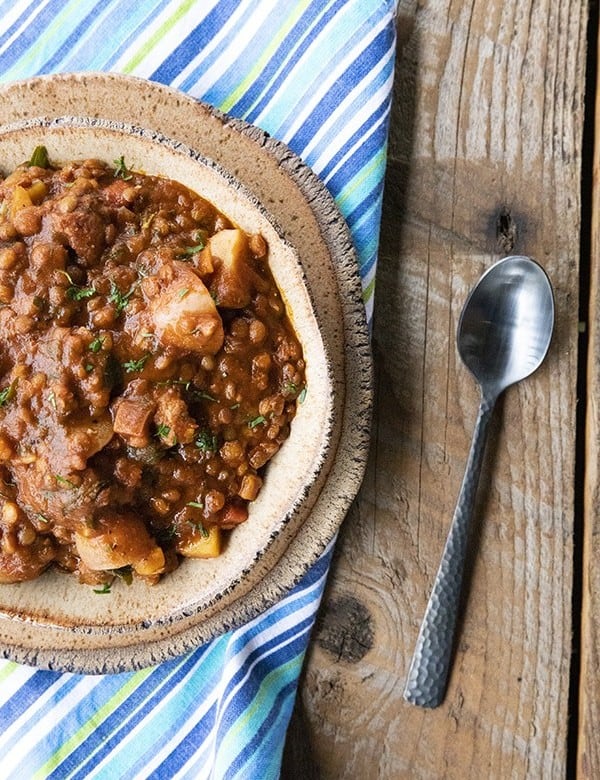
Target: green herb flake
[89,368]
[6,394]
[167,383]
[104,589]
[292,390]
[64,482]
[207,441]
[260,420]
[162,431]
[39,158]
[76,293]
[198,526]
[96,345]
[121,170]
[188,251]
[136,365]
[42,518]
[118,298]
[182,293]
[195,504]
[199,395]
[80,293]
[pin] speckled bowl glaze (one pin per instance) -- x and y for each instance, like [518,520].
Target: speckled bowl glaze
[54,621]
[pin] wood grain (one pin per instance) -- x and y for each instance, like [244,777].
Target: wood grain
[588,757]
[485,160]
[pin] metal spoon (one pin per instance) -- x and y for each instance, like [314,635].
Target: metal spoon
[503,336]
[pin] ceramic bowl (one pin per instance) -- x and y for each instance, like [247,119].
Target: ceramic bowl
[56,622]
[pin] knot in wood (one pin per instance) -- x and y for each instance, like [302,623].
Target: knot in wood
[506,231]
[345,629]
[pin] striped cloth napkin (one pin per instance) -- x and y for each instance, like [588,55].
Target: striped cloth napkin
[316,74]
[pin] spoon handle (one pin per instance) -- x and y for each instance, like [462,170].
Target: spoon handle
[428,673]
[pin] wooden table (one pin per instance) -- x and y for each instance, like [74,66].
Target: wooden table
[488,152]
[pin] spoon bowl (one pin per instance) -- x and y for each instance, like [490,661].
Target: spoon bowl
[503,336]
[506,324]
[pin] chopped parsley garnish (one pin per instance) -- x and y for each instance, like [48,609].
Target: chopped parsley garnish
[118,298]
[182,293]
[292,389]
[136,365]
[162,431]
[207,441]
[260,420]
[192,250]
[6,394]
[195,504]
[77,292]
[121,170]
[39,158]
[80,293]
[199,395]
[64,482]
[199,527]
[186,383]
[89,368]
[96,345]
[104,589]
[193,392]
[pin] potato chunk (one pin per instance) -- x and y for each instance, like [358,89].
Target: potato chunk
[204,544]
[184,312]
[20,200]
[120,540]
[232,280]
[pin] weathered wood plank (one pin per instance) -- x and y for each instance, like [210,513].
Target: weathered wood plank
[588,758]
[485,155]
